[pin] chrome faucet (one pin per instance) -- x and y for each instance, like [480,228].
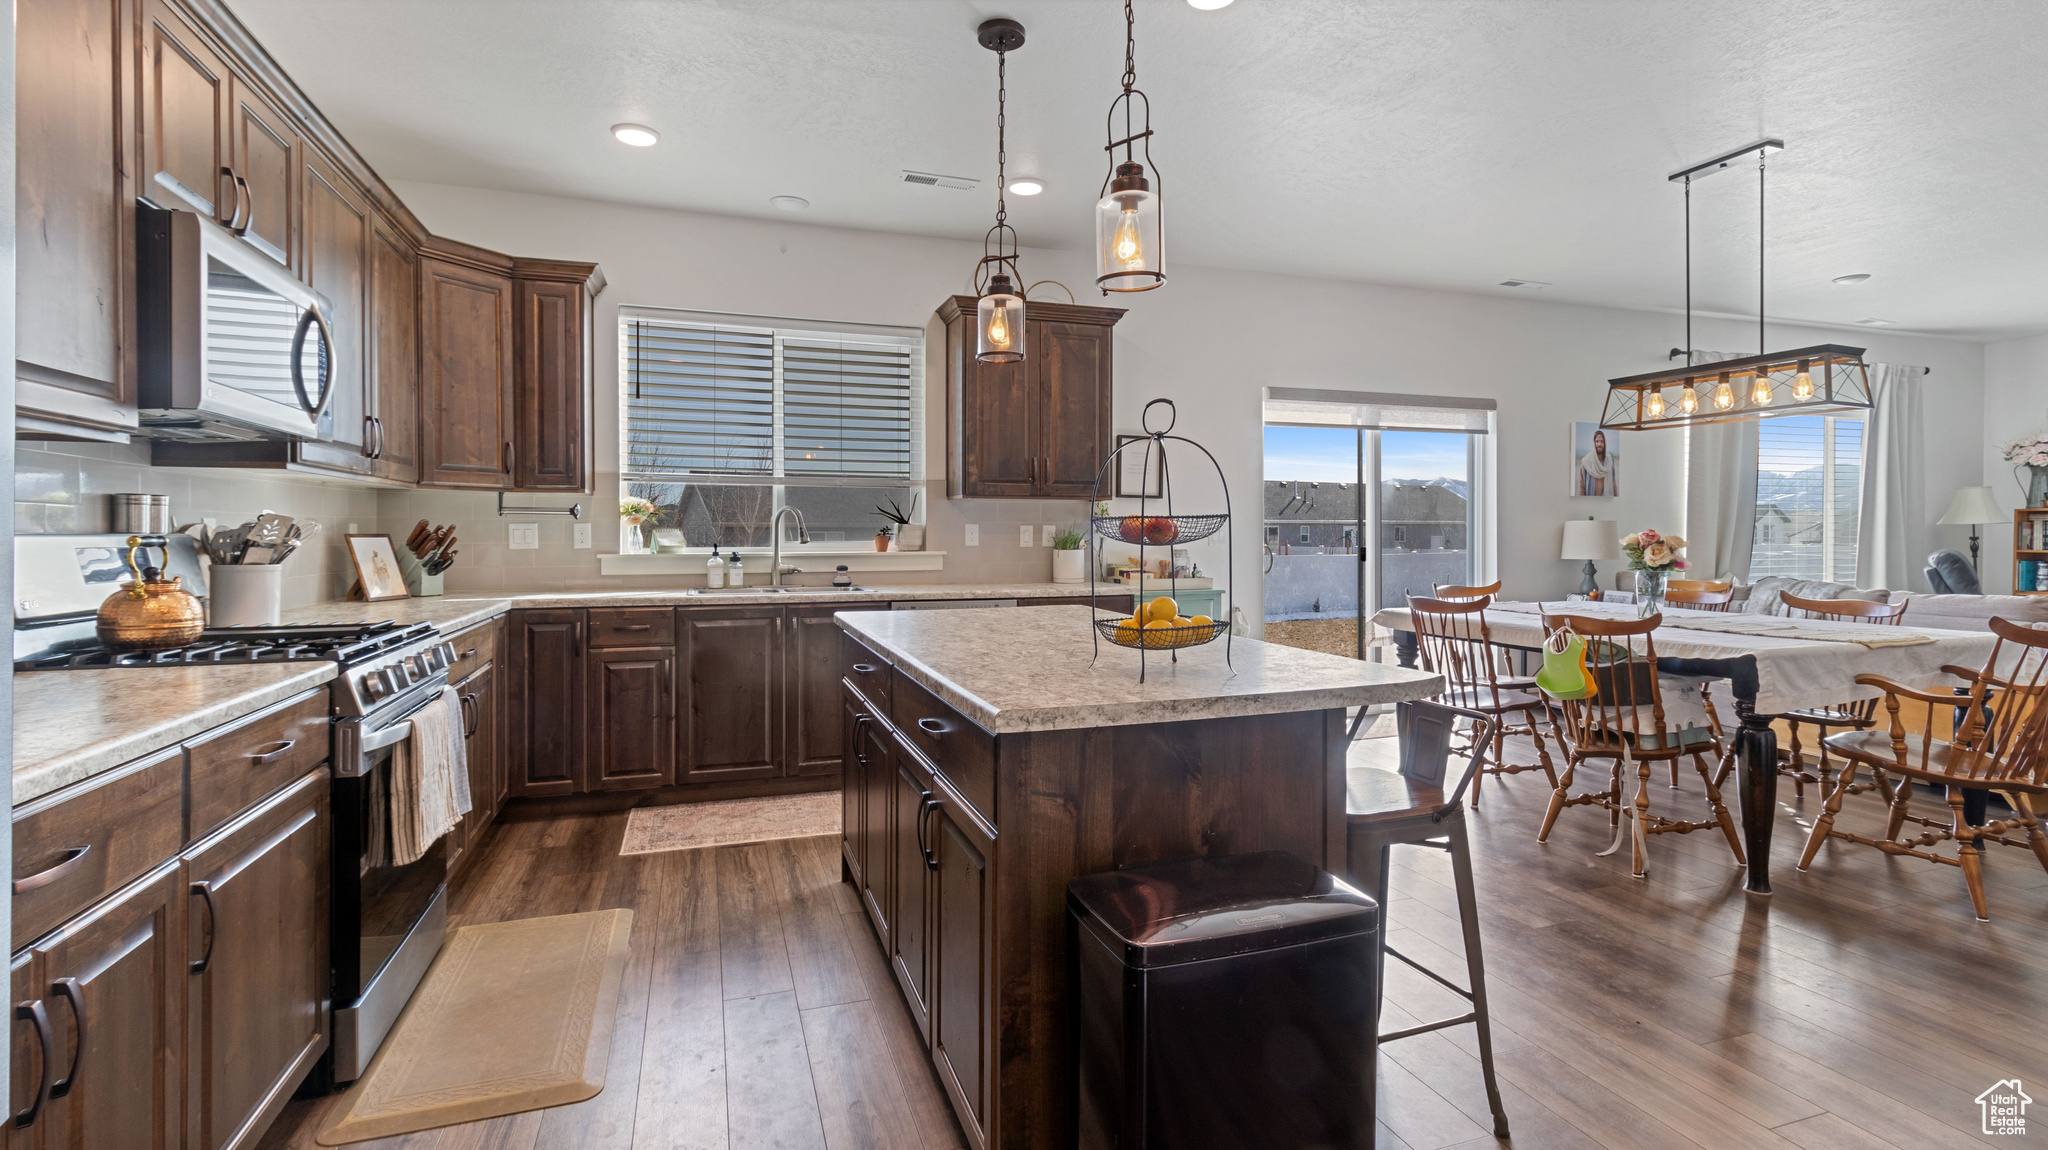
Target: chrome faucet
[803,535]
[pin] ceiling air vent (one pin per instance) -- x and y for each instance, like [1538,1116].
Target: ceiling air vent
[931,180]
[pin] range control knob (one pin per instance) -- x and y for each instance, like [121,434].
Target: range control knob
[445,655]
[396,676]
[374,686]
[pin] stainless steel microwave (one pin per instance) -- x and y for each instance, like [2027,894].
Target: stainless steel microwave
[231,347]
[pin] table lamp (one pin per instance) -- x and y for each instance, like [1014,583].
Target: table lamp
[1973,506]
[1590,539]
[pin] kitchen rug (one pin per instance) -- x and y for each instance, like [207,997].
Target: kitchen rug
[512,1016]
[686,826]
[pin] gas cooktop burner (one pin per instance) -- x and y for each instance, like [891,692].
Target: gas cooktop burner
[345,643]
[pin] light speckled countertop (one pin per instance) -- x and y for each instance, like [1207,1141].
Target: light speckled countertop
[71,725]
[1030,671]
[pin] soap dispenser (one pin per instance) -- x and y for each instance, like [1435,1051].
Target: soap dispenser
[735,570]
[714,569]
[840,577]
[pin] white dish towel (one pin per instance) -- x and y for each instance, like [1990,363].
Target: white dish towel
[423,792]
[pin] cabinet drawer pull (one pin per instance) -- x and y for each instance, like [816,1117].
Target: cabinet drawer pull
[469,654]
[932,727]
[71,992]
[234,191]
[32,1012]
[636,627]
[205,891]
[505,458]
[925,807]
[469,715]
[864,668]
[248,205]
[277,751]
[48,875]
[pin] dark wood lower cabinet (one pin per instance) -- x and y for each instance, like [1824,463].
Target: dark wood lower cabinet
[110,986]
[544,657]
[478,695]
[632,718]
[815,742]
[910,808]
[731,724]
[963,935]
[878,792]
[255,900]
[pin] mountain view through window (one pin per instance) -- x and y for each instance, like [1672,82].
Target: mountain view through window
[1809,484]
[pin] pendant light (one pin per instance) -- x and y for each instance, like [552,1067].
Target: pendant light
[999,316]
[1637,402]
[1127,218]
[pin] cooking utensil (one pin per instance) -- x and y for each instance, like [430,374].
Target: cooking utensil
[269,530]
[151,613]
[418,538]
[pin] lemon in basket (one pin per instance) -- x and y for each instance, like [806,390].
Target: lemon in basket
[1127,630]
[1201,621]
[1163,608]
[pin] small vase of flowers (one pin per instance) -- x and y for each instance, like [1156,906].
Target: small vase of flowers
[2031,452]
[633,513]
[1653,556]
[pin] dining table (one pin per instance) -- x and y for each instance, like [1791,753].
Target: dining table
[1772,663]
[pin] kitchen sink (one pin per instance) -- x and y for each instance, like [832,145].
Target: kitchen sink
[709,591]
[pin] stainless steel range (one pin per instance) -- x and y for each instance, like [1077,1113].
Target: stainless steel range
[388,921]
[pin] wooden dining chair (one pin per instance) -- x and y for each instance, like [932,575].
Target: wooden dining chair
[1707,598]
[1454,641]
[1455,593]
[1727,585]
[1857,715]
[1998,742]
[1622,721]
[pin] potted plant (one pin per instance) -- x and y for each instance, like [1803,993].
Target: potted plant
[633,513]
[882,537]
[909,536]
[1653,557]
[1069,559]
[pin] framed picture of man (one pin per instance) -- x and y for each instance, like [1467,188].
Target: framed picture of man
[1596,460]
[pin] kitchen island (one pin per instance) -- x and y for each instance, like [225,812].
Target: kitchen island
[991,760]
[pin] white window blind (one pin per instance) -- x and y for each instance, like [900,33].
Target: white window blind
[748,403]
[1809,486]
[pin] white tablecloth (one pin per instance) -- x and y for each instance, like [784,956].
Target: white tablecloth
[1791,673]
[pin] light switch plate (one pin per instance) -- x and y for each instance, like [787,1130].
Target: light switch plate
[583,535]
[1024,535]
[1045,533]
[524,536]
[974,534]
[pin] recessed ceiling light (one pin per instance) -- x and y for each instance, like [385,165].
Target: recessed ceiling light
[1208,5]
[1532,284]
[1027,185]
[1858,278]
[790,203]
[1874,323]
[638,135]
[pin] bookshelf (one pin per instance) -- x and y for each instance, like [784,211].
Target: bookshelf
[2029,549]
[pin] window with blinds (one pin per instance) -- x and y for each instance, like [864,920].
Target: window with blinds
[709,400]
[1809,484]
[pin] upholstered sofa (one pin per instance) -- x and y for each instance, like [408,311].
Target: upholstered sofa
[1946,612]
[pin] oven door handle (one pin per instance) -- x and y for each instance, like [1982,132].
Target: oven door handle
[389,736]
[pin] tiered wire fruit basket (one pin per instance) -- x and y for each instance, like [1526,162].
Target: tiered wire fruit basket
[1151,530]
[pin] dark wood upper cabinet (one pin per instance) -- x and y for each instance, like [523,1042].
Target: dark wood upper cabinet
[257,963]
[552,396]
[543,655]
[111,984]
[74,216]
[337,266]
[731,721]
[185,123]
[465,432]
[265,155]
[632,718]
[1037,429]
[394,355]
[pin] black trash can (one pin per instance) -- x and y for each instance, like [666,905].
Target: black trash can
[1224,1003]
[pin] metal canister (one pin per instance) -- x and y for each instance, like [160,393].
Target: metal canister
[139,513]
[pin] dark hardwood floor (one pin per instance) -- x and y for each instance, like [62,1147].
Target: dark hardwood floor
[1860,1006]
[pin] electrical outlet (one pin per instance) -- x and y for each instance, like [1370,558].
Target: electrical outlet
[583,535]
[1046,533]
[974,534]
[1024,535]
[524,536]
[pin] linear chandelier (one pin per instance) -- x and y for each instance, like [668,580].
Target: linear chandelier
[1763,386]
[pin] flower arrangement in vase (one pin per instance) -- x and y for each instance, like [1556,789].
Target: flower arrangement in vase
[1653,556]
[632,513]
[2031,452]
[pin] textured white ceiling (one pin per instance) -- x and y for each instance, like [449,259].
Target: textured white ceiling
[1441,143]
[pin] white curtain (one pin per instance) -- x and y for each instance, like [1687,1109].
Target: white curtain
[1891,534]
[1720,492]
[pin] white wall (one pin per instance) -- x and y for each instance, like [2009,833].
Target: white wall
[1211,340]
[2015,404]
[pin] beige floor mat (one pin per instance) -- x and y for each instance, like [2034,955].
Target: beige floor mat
[685,826]
[512,1016]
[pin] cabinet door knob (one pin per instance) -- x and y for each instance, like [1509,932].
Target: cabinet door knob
[205,891]
[70,862]
[32,1012]
[70,991]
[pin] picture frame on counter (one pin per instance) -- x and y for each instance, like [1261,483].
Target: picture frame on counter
[377,570]
[1137,473]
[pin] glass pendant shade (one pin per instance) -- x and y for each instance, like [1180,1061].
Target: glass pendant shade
[1127,233]
[999,323]
[1724,395]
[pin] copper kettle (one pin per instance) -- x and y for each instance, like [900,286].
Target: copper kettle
[152,613]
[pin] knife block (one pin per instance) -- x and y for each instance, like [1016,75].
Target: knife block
[417,581]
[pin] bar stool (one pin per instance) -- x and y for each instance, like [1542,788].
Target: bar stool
[1384,809]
